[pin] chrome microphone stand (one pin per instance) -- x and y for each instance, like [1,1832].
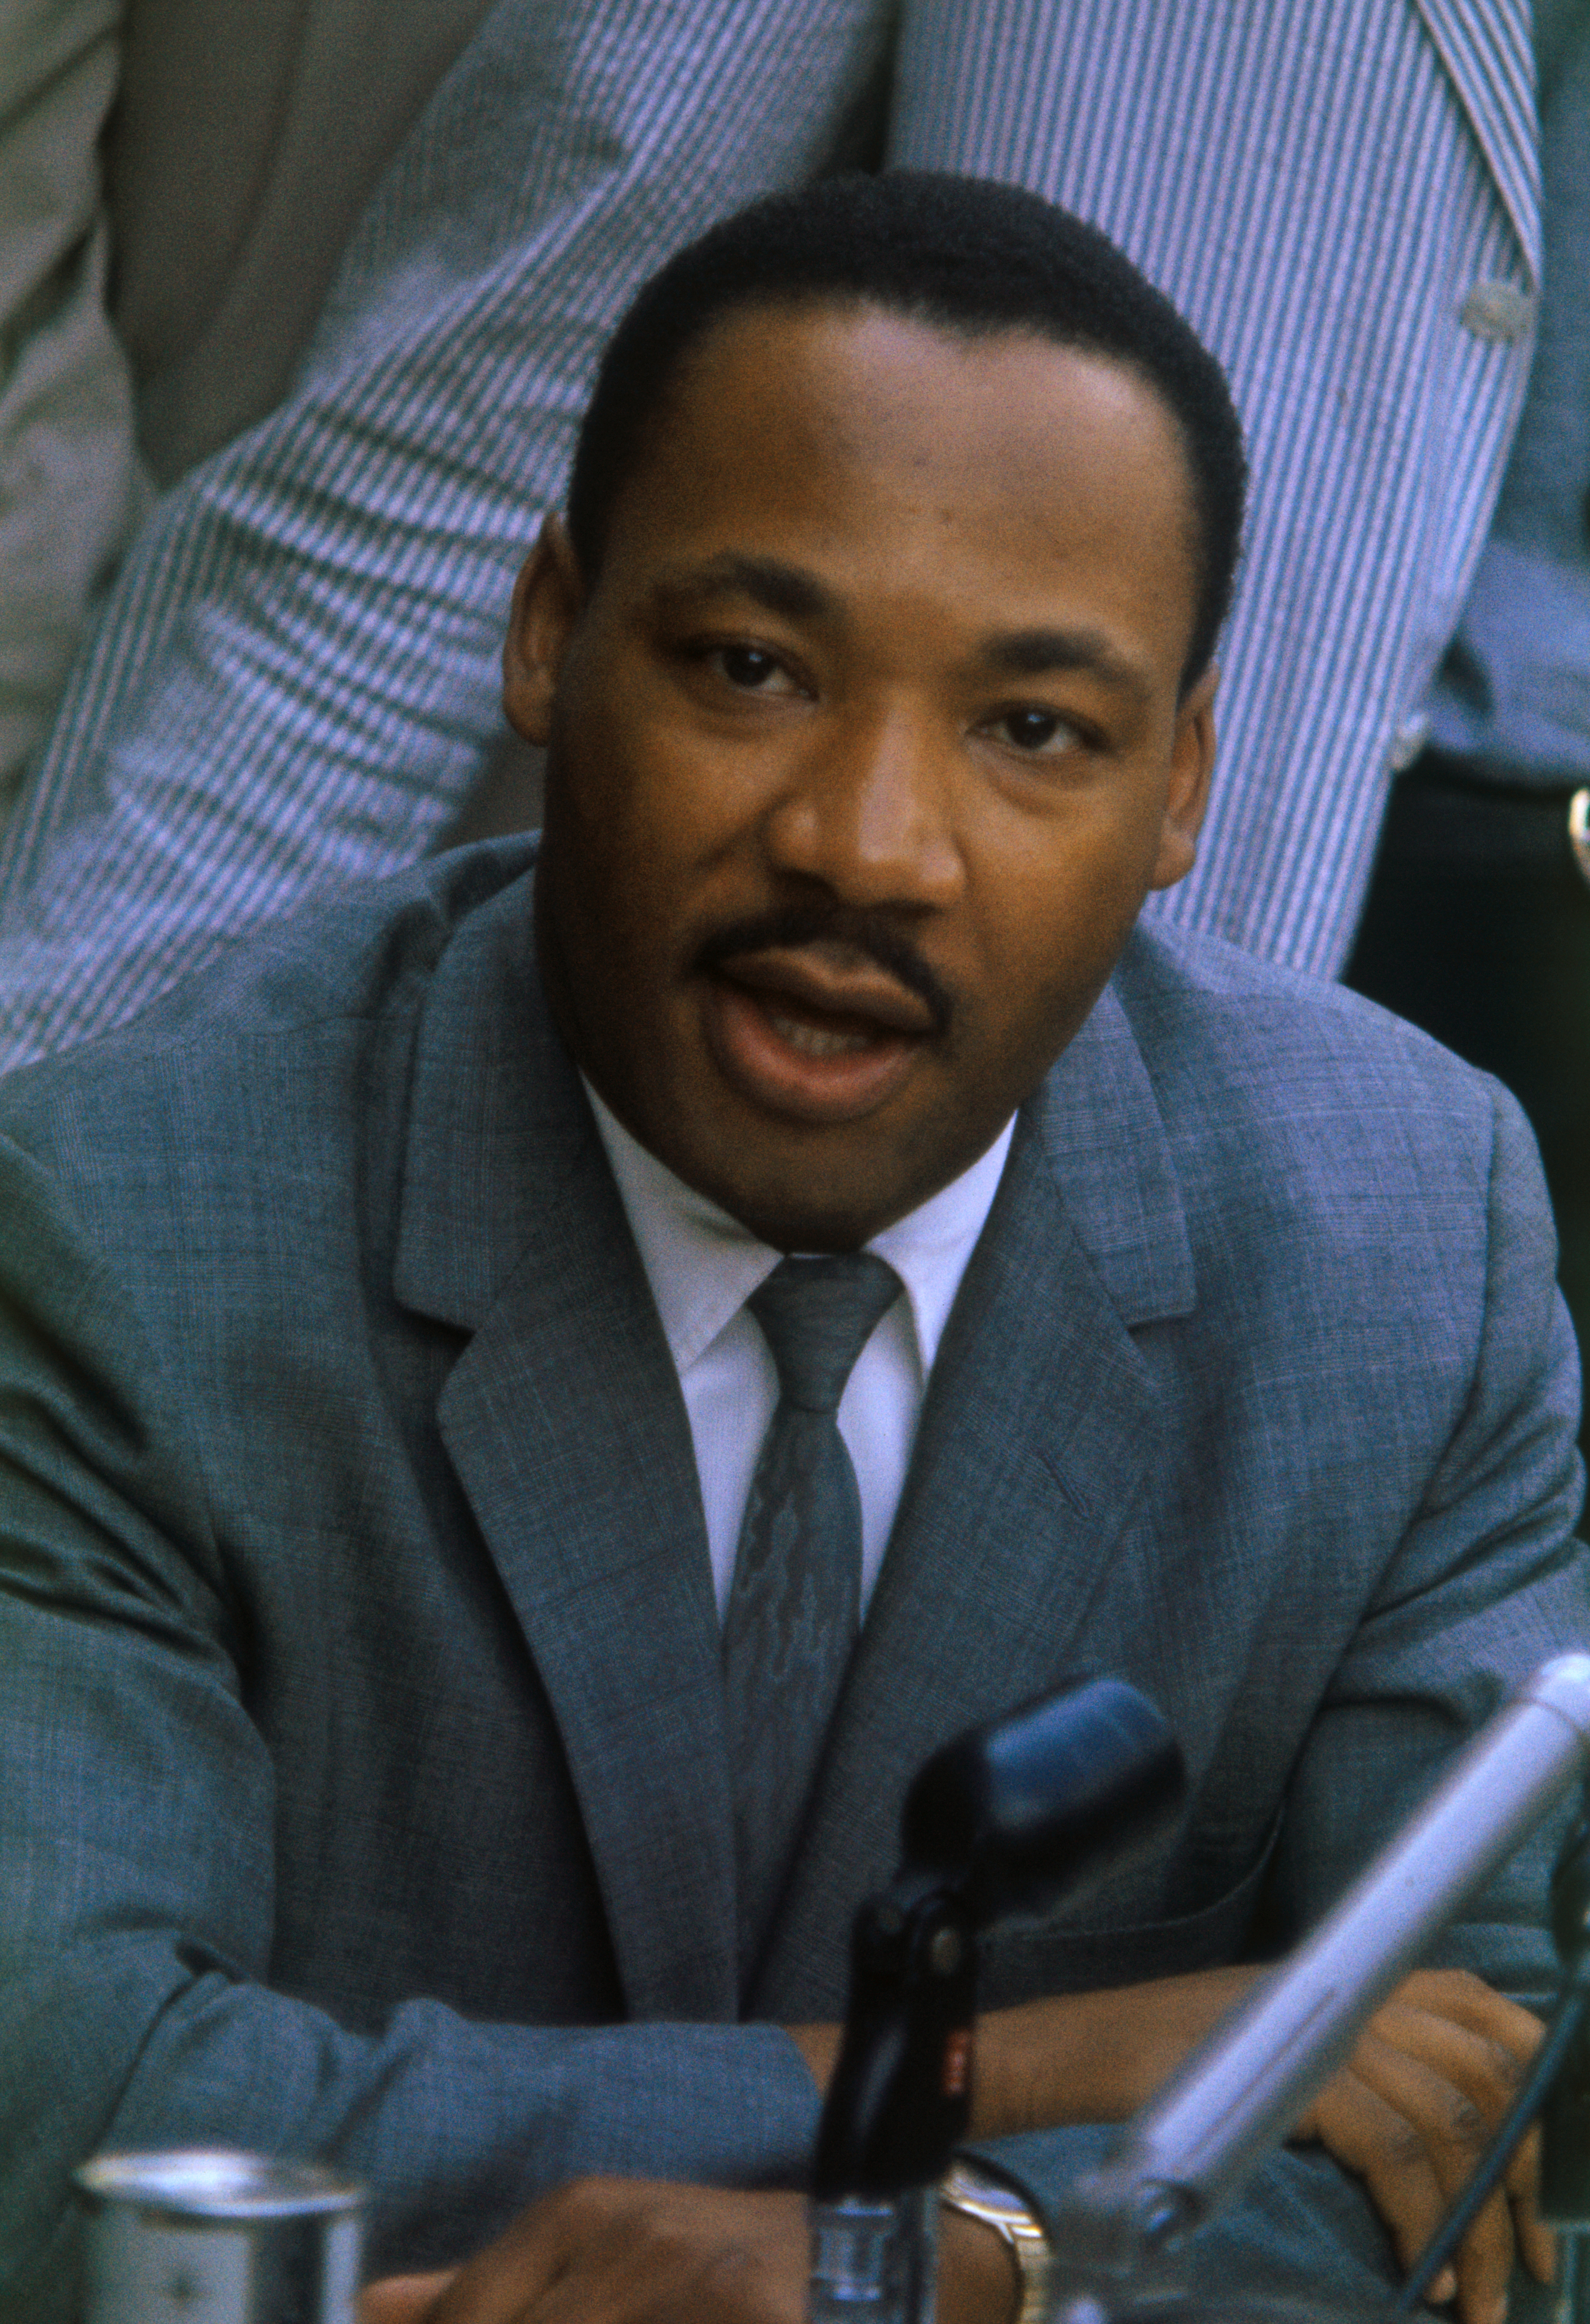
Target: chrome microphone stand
[1122,2227]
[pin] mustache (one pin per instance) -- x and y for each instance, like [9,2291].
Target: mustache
[790,926]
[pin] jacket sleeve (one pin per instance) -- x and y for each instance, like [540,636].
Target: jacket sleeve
[297,677]
[137,1807]
[1487,1583]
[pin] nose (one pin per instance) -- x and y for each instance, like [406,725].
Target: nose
[869,812]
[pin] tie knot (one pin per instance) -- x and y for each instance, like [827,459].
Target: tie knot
[816,1315]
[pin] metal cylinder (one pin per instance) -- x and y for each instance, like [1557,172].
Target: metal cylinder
[1195,2143]
[874,2258]
[208,2236]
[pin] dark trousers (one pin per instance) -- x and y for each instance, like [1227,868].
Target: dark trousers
[1477,929]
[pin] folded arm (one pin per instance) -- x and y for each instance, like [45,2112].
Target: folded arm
[1487,1583]
[1431,2077]
[141,1933]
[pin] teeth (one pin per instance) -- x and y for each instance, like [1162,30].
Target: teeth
[815,1043]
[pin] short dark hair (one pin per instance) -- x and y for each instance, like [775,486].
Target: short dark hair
[962,253]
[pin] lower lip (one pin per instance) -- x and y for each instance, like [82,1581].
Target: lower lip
[775,1075]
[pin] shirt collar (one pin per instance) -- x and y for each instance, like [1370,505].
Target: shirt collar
[703,1265]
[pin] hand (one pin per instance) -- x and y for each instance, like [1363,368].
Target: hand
[1434,2073]
[1434,2070]
[634,2251]
[615,2251]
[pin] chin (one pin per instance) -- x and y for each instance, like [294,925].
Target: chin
[791,1208]
[813,1232]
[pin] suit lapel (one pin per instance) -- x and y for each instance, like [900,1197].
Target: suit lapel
[566,1430]
[1038,1424]
[565,1425]
[1488,55]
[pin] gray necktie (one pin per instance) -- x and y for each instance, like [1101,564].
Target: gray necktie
[794,1608]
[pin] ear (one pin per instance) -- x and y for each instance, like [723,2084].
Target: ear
[548,598]
[1192,762]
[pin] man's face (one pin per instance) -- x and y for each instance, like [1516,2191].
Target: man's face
[865,747]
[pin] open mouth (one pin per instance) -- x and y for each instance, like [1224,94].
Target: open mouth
[817,1040]
[819,1033]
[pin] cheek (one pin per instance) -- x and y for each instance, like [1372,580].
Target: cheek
[1050,951]
[608,828]
[645,793]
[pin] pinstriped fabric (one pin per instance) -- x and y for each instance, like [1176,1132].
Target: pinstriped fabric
[298,675]
[296,678]
[1378,424]
[1488,52]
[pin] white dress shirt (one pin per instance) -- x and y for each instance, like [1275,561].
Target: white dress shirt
[703,1265]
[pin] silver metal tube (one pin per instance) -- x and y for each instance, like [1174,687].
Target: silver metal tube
[1191,2147]
[874,2258]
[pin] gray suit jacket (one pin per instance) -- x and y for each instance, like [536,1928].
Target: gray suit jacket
[363,1784]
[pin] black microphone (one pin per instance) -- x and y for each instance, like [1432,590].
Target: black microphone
[1038,1808]
[1007,1822]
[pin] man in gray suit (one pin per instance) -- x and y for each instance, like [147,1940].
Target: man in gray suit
[433,1736]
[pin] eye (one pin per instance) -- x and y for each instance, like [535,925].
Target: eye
[1035,731]
[752,670]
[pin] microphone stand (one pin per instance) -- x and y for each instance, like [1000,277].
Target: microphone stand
[999,1824]
[1564,2119]
[896,2108]
[1121,2228]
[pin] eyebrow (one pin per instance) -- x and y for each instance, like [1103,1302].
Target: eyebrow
[1032,653]
[800,597]
[782,588]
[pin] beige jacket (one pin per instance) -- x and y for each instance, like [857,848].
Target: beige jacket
[240,139]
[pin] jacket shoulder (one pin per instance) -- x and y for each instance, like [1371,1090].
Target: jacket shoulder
[1311,1130]
[361,957]
[1228,1037]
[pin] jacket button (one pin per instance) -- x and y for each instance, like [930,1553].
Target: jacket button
[1407,741]
[1497,311]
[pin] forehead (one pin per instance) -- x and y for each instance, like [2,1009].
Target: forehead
[1003,460]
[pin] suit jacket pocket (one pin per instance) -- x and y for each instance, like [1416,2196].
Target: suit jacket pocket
[1024,1964]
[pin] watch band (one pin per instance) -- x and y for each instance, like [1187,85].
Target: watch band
[981,2196]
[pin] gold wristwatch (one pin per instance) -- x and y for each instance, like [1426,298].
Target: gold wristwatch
[966,2188]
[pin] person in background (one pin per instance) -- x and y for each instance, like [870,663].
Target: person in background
[68,488]
[295,678]
[178,179]
[1477,924]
